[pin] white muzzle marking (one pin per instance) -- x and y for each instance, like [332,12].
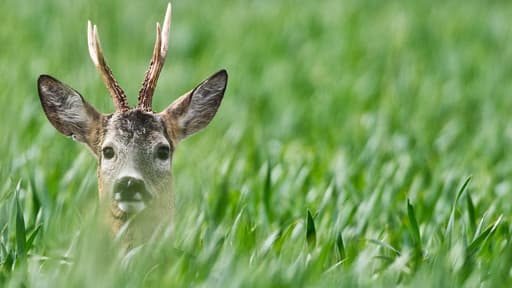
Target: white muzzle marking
[131,206]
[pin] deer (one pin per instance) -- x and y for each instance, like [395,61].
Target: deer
[133,146]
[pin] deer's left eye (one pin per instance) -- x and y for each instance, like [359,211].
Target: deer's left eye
[163,152]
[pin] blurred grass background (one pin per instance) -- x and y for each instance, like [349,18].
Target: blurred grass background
[343,108]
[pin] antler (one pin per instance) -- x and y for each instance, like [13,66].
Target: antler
[156,64]
[116,92]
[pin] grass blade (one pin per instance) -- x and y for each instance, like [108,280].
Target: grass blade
[385,245]
[310,231]
[414,228]
[486,234]
[35,197]
[340,246]
[32,237]
[480,225]
[7,259]
[451,220]
[471,213]
[20,231]
[267,194]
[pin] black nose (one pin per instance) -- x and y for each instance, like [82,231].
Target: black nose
[131,189]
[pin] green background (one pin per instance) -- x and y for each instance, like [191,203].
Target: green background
[347,109]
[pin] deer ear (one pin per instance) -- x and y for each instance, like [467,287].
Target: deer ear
[67,110]
[194,110]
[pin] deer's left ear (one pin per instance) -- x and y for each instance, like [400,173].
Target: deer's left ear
[194,110]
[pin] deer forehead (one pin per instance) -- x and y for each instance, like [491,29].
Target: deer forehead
[136,129]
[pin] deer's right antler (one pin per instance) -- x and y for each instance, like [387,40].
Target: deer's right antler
[118,95]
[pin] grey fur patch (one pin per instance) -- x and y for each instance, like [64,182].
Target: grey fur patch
[135,136]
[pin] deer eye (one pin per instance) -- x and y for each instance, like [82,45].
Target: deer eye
[163,152]
[108,152]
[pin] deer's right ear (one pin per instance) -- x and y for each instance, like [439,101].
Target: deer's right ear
[67,110]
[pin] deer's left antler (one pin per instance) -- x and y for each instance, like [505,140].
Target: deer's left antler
[157,62]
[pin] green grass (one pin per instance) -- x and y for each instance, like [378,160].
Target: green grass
[360,143]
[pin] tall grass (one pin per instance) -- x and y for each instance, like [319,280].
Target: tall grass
[359,143]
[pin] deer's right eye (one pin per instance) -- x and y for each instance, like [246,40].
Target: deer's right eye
[108,152]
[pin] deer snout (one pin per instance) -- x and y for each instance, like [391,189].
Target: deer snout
[131,194]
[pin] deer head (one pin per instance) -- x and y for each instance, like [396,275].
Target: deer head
[133,146]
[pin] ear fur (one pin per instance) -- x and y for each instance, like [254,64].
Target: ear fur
[67,111]
[194,110]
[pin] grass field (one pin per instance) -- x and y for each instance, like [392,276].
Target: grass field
[360,143]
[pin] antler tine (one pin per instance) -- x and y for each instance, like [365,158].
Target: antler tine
[157,62]
[118,95]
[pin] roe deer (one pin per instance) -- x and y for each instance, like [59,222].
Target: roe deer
[134,146]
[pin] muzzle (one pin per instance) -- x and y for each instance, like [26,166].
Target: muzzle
[131,194]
